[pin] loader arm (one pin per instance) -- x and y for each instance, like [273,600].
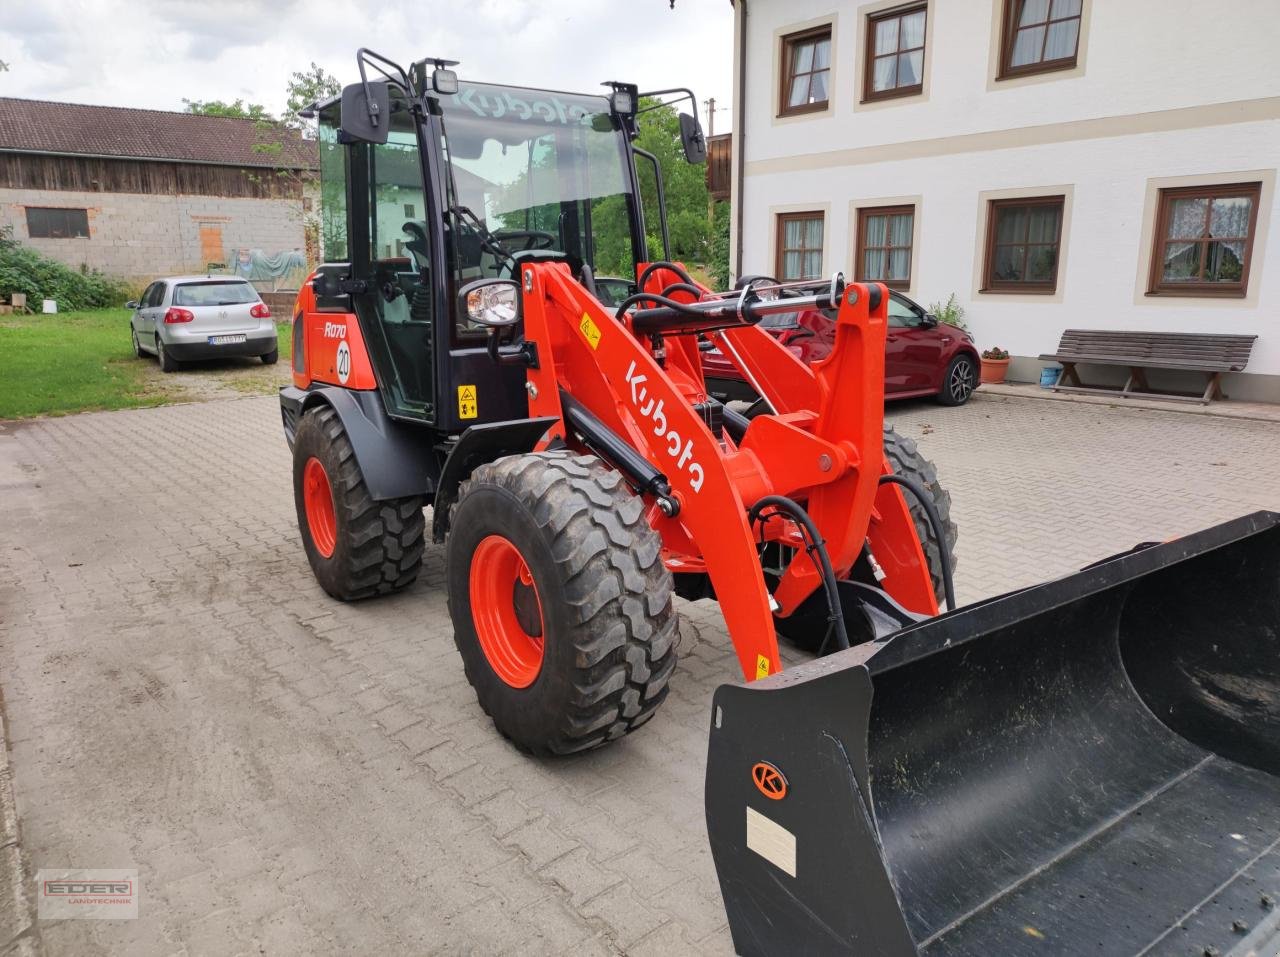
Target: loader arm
[828,454]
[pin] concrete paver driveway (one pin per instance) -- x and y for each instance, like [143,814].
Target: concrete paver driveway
[291,774]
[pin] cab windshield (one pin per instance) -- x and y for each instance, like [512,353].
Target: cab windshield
[531,170]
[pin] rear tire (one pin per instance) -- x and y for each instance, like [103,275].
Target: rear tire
[357,547]
[598,594]
[271,358]
[799,628]
[167,362]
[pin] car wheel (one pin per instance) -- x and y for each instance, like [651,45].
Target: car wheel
[137,346]
[167,362]
[959,381]
[271,358]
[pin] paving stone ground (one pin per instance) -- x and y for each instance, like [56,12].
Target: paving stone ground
[291,774]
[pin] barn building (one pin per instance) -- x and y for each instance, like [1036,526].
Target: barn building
[143,193]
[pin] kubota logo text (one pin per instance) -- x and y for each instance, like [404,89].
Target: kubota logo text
[678,448]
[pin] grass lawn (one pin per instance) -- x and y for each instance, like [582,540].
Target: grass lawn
[75,362]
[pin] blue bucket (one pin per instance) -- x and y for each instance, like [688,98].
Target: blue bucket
[1049,376]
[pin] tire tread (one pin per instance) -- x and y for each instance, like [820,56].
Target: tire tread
[614,582]
[385,539]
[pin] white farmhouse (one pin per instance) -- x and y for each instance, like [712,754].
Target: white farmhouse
[1053,163]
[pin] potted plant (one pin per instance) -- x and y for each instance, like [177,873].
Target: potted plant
[995,364]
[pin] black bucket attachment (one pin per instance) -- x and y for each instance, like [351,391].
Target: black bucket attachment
[1089,766]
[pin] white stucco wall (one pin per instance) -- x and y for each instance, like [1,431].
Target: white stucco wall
[1152,103]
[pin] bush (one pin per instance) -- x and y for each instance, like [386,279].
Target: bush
[719,264]
[31,272]
[952,313]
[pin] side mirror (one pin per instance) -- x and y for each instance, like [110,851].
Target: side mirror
[695,144]
[131,304]
[493,303]
[929,320]
[367,118]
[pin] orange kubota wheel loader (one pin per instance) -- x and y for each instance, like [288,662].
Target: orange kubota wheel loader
[1089,765]
[488,338]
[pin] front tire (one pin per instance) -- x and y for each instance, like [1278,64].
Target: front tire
[561,604]
[137,346]
[959,381]
[357,547]
[904,455]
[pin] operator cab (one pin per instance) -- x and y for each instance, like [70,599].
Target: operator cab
[470,182]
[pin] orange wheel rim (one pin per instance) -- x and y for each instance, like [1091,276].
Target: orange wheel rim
[507,612]
[317,499]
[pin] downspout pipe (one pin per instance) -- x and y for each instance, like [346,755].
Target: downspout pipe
[740,134]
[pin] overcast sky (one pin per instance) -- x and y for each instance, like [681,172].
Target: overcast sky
[153,53]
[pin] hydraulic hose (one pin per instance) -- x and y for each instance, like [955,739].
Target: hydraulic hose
[680,307]
[650,269]
[682,287]
[793,509]
[935,521]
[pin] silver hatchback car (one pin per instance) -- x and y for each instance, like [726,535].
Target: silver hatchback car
[202,317]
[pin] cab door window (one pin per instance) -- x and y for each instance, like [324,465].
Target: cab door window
[400,248]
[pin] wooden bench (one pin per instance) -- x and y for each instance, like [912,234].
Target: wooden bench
[1209,353]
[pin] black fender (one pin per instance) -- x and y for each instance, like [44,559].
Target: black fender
[397,459]
[476,446]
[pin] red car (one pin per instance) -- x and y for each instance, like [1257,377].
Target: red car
[923,357]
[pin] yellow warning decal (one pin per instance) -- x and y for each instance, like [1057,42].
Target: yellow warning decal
[468,407]
[762,666]
[590,331]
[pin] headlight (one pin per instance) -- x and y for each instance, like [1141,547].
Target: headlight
[491,302]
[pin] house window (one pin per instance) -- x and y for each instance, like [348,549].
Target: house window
[799,246]
[1022,245]
[895,54]
[1039,36]
[409,210]
[50,223]
[1204,240]
[884,245]
[806,71]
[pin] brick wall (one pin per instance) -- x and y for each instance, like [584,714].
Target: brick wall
[140,236]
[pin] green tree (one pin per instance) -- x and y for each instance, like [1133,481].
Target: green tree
[718,261]
[235,108]
[305,87]
[686,186]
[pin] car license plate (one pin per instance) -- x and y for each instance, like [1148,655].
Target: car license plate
[226,340]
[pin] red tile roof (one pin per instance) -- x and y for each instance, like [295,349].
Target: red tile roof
[38,126]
